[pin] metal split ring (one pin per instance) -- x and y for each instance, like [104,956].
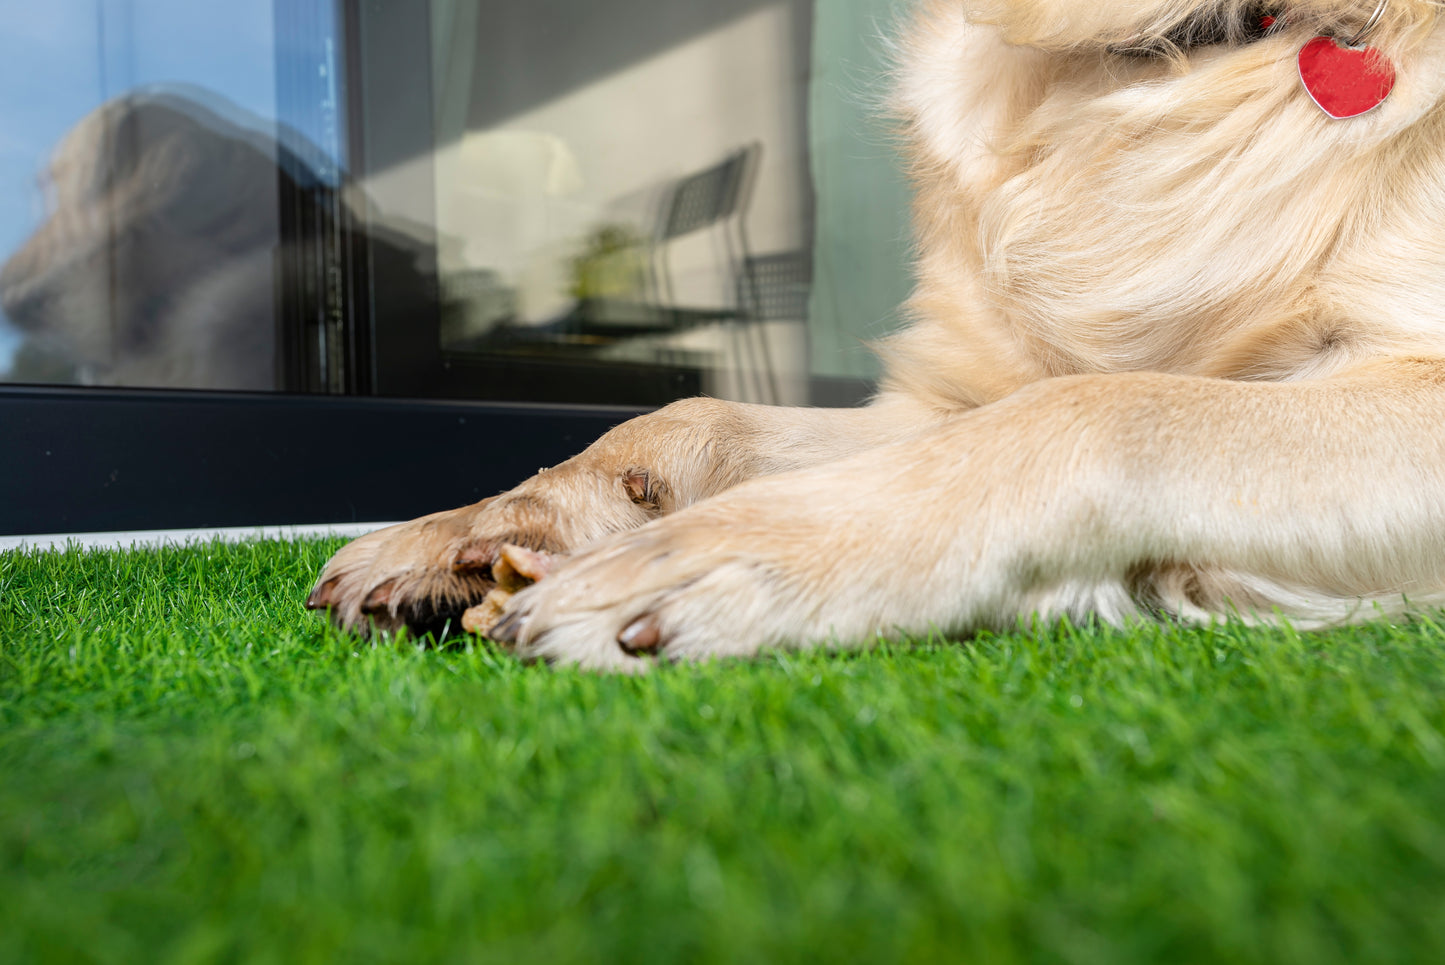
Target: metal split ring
[1370,24]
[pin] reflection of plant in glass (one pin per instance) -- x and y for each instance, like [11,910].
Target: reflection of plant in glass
[612,264]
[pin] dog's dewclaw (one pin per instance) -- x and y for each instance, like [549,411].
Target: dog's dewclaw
[516,567]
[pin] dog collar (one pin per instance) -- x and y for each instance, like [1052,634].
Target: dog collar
[1347,79]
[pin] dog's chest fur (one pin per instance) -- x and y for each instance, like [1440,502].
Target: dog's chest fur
[1082,211]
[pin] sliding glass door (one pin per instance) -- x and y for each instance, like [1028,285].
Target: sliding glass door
[272,227]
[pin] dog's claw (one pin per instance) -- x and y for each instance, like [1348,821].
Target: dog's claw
[473,558]
[642,635]
[379,599]
[323,597]
[507,629]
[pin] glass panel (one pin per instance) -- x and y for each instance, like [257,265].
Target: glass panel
[861,249]
[632,182]
[609,201]
[141,186]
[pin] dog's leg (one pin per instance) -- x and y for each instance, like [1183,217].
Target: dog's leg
[1077,495]
[427,571]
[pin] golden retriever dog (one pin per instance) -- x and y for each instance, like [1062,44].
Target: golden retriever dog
[1177,349]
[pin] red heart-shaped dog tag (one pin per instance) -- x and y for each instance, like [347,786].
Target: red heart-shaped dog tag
[1345,81]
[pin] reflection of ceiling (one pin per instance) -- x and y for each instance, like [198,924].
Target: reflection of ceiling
[529,53]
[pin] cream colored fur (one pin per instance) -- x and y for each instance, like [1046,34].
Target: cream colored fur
[1177,347]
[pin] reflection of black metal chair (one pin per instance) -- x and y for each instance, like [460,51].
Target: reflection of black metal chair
[776,288]
[714,199]
[780,285]
[626,290]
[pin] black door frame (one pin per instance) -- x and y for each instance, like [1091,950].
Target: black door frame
[91,460]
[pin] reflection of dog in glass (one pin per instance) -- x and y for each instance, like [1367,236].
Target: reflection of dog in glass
[156,264]
[1178,347]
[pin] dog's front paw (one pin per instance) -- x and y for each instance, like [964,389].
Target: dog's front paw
[684,588]
[423,573]
[436,572]
[429,572]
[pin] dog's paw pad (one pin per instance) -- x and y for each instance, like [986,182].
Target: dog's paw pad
[515,567]
[483,618]
[518,566]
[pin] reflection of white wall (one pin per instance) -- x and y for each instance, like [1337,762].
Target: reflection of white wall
[629,134]
[510,197]
[516,200]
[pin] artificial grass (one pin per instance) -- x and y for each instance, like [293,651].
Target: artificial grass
[193,769]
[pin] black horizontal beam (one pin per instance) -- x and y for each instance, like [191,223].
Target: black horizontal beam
[74,461]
